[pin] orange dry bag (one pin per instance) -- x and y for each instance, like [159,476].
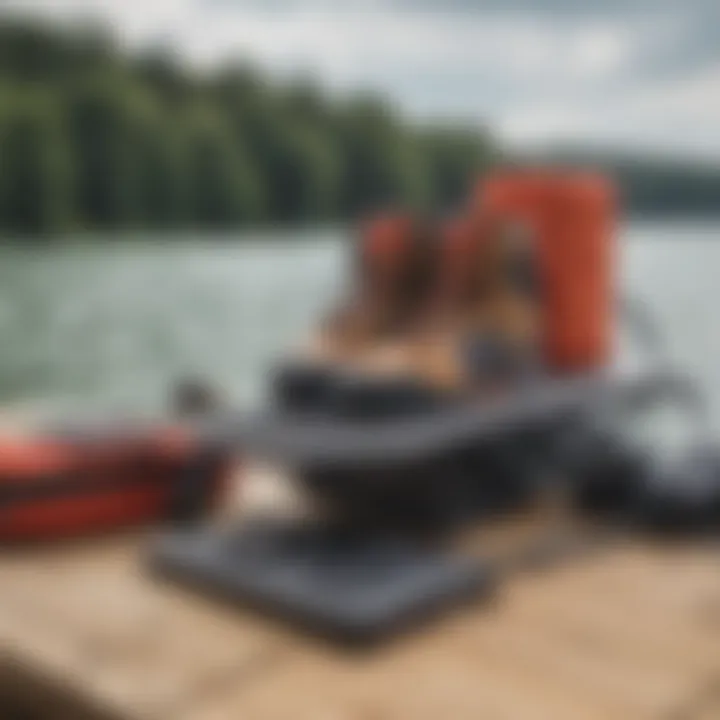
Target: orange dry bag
[573,217]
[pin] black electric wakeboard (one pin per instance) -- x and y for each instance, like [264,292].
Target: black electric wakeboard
[351,588]
[317,439]
[360,583]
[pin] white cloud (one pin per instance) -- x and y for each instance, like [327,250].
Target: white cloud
[682,115]
[600,51]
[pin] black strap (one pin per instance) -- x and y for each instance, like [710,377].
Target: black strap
[192,492]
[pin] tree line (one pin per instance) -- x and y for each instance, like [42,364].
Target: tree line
[654,185]
[93,137]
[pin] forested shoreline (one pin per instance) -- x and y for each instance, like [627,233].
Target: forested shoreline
[95,138]
[652,185]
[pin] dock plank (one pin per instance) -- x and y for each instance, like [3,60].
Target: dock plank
[630,631]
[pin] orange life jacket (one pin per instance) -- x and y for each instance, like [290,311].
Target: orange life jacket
[573,217]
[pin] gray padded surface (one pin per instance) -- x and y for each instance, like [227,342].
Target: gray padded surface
[317,439]
[355,589]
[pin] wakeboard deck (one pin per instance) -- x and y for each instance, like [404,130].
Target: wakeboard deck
[316,439]
[356,589]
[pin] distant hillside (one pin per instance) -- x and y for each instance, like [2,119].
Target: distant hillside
[655,185]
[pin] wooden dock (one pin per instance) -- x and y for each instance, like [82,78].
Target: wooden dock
[629,631]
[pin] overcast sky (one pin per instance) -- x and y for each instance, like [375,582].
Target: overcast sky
[635,72]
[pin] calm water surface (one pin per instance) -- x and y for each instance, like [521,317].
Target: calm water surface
[110,325]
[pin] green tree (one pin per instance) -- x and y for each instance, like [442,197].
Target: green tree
[35,167]
[456,156]
[161,75]
[302,172]
[103,138]
[222,187]
[159,172]
[383,163]
[161,178]
[31,52]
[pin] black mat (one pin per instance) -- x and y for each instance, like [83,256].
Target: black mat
[352,589]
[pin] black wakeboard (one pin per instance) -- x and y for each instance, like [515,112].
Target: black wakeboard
[352,588]
[320,439]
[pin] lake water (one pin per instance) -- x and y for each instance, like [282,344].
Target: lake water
[111,324]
